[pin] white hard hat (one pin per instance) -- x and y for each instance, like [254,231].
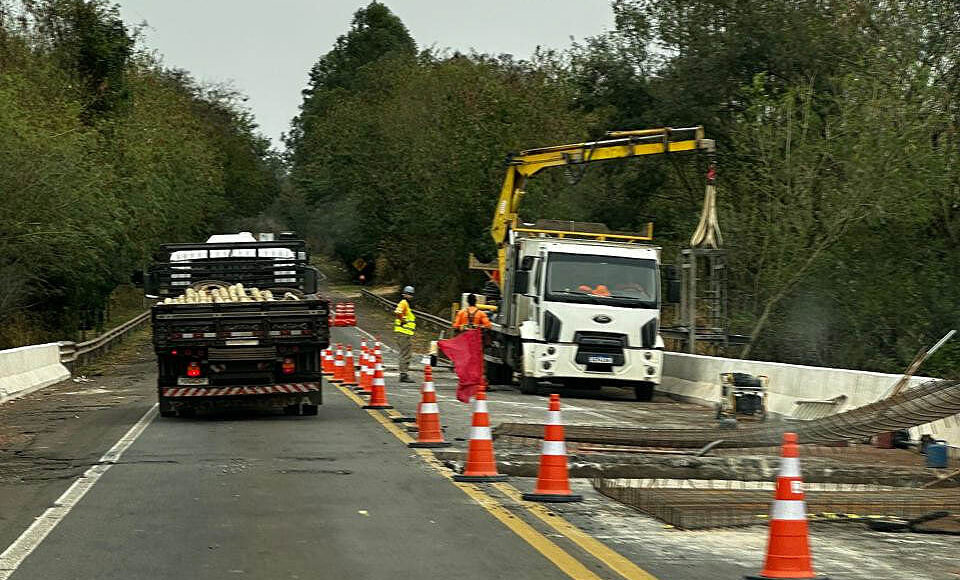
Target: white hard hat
[408,290]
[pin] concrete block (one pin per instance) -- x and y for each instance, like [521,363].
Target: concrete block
[29,368]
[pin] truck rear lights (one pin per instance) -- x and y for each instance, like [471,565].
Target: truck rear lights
[174,352]
[193,369]
[288,366]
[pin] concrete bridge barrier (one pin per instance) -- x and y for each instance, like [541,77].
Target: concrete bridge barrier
[696,378]
[28,368]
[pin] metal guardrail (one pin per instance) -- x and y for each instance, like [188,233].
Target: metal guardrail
[432,320]
[75,353]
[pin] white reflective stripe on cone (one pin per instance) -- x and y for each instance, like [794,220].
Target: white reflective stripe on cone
[379,382]
[789,509]
[789,467]
[554,448]
[480,406]
[554,418]
[429,409]
[481,433]
[428,387]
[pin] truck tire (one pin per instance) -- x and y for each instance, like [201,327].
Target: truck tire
[498,374]
[309,410]
[166,409]
[529,385]
[643,391]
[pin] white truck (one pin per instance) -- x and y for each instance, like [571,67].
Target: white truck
[576,305]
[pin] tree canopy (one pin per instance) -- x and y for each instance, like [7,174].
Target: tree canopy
[105,154]
[837,144]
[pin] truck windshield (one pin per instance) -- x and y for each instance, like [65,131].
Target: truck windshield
[613,280]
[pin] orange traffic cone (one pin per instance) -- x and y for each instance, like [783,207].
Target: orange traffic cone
[788,547]
[362,369]
[349,370]
[378,395]
[553,485]
[481,465]
[366,382]
[429,432]
[338,366]
[327,366]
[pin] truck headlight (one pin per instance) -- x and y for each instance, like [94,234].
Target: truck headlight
[648,355]
[651,371]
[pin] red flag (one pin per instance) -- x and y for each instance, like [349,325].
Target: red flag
[466,352]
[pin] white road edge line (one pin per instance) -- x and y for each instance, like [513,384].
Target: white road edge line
[23,546]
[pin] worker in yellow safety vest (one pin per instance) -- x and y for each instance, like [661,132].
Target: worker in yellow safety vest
[404,325]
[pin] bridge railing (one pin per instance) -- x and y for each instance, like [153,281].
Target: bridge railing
[73,354]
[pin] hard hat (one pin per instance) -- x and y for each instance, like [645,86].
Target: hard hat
[408,290]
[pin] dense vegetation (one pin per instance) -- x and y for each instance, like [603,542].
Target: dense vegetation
[836,125]
[104,154]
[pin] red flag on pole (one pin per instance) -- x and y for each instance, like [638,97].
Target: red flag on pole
[466,352]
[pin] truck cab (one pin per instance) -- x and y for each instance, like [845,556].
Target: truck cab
[583,312]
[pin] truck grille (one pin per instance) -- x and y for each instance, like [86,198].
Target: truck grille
[595,347]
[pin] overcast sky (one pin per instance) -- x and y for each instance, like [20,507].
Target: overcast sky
[266,48]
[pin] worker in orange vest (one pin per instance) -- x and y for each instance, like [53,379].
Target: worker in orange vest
[471,316]
[600,290]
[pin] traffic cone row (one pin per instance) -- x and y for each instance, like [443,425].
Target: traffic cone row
[327,364]
[788,545]
[349,371]
[338,366]
[344,314]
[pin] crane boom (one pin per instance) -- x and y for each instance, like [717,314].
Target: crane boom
[617,145]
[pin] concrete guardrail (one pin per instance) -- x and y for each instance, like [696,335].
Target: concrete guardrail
[697,378]
[28,368]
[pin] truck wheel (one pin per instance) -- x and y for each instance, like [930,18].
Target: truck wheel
[644,391]
[167,410]
[498,374]
[309,410]
[529,385]
[186,411]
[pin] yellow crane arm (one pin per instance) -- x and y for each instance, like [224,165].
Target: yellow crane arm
[617,145]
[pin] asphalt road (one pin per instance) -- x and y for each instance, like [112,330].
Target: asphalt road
[267,496]
[340,496]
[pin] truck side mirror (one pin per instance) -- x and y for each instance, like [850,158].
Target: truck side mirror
[310,280]
[672,275]
[151,287]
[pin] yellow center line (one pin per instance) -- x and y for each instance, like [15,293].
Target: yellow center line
[560,557]
[588,543]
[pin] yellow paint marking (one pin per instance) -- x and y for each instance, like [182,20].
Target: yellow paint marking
[560,558]
[588,543]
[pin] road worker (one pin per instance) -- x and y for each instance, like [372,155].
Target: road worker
[404,325]
[600,290]
[471,316]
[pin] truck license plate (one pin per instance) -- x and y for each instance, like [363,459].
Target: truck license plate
[243,342]
[600,360]
[192,381]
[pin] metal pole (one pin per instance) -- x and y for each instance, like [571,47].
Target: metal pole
[692,305]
